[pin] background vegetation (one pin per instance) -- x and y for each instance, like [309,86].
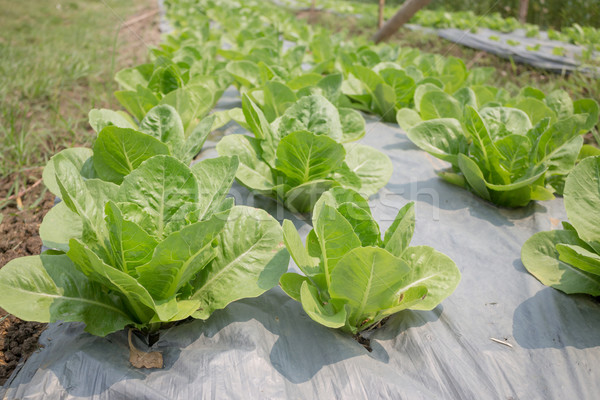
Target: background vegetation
[58,59]
[546,13]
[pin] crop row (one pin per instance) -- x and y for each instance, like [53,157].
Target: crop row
[586,36]
[143,237]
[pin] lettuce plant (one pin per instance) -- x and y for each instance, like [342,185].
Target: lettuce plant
[161,246]
[122,144]
[184,74]
[431,102]
[381,90]
[389,86]
[497,153]
[263,59]
[568,259]
[352,277]
[275,97]
[300,155]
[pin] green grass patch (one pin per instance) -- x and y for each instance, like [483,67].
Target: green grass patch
[58,60]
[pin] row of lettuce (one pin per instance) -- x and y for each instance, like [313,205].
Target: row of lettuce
[142,238]
[506,148]
[587,36]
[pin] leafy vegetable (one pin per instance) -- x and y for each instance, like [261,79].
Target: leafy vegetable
[569,259]
[388,86]
[161,246]
[122,144]
[352,277]
[184,74]
[498,153]
[258,61]
[299,156]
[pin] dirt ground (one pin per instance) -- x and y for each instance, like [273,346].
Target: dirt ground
[19,237]
[22,216]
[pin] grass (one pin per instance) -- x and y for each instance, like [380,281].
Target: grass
[58,60]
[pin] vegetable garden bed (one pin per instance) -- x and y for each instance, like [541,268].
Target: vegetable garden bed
[548,341]
[144,242]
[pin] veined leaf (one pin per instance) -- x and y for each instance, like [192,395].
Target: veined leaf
[353,125]
[307,264]
[164,123]
[215,176]
[373,168]
[316,310]
[314,114]
[437,104]
[400,233]
[119,151]
[582,198]
[78,156]
[302,198]
[540,257]
[195,140]
[138,300]
[335,236]
[474,176]
[159,186]
[501,119]
[561,103]
[59,293]
[130,245]
[579,257]
[303,156]
[137,102]
[101,118]
[433,270]
[482,146]
[252,172]
[367,278]
[60,224]
[179,257]
[245,266]
[291,283]
[442,138]
[362,222]
[407,118]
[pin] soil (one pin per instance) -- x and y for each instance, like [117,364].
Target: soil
[22,216]
[19,237]
[366,341]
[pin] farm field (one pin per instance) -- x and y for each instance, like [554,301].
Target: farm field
[221,184]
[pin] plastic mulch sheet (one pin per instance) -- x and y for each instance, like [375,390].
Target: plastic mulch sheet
[514,45]
[163,24]
[268,348]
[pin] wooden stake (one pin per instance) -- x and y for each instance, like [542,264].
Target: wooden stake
[523,8]
[380,19]
[404,14]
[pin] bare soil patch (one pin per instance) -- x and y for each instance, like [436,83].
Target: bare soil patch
[19,237]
